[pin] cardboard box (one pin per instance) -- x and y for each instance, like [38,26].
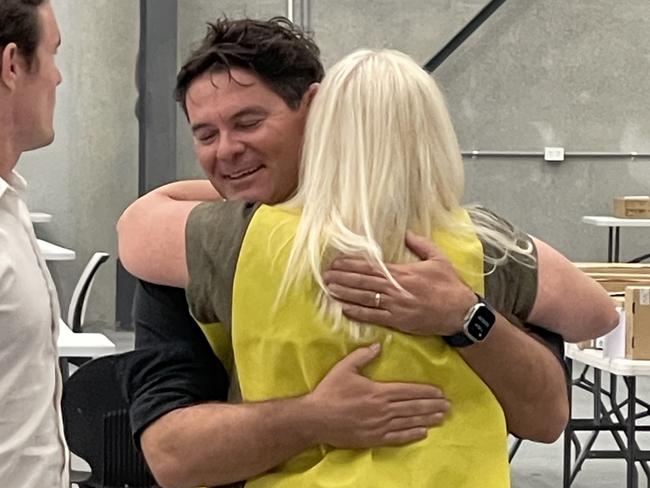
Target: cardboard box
[637,322]
[632,207]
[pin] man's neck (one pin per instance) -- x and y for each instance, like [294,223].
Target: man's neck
[8,161]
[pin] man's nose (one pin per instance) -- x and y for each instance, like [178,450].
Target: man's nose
[229,147]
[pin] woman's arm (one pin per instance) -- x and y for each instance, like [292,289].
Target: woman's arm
[151,231]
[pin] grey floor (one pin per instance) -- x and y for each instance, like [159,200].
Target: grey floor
[537,465]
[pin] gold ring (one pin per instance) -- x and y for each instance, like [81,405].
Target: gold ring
[377,300]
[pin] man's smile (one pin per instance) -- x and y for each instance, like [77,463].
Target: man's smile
[237,175]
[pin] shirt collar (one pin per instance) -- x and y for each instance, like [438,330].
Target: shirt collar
[16,183]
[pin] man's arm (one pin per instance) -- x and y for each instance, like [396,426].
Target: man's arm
[151,231]
[527,379]
[568,301]
[525,376]
[161,316]
[218,443]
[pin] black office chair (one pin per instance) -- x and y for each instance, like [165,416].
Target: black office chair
[96,422]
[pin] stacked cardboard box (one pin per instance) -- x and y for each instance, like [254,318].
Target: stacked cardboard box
[629,281]
[637,320]
[632,207]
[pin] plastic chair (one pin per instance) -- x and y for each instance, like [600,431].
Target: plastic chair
[96,423]
[79,300]
[78,304]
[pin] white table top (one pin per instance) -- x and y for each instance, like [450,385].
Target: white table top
[52,252]
[84,344]
[40,217]
[606,221]
[618,366]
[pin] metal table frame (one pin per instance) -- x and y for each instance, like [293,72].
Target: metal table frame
[614,225]
[617,416]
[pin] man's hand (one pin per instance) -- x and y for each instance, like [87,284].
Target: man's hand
[351,411]
[435,302]
[346,410]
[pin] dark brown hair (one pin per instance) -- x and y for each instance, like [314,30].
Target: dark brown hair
[19,23]
[275,50]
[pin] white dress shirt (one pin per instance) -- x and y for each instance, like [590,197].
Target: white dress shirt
[33,453]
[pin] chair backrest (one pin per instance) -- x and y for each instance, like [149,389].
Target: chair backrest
[96,422]
[79,300]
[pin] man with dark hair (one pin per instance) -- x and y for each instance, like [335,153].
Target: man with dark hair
[32,448]
[247,118]
[225,47]
[19,21]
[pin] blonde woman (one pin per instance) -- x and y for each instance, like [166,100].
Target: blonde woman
[380,160]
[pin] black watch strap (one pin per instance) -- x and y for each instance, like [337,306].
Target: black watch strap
[477,324]
[458,340]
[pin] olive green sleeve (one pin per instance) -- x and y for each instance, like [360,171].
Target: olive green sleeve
[511,287]
[213,239]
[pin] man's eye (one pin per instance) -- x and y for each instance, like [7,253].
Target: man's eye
[249,124]
[207,137]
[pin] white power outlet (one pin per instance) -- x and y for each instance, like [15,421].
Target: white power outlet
[554,153]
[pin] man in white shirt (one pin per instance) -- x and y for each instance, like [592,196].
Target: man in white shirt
[33,452]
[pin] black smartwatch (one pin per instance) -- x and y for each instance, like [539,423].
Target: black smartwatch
[476,326]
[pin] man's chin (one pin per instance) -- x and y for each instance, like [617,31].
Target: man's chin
[45,139]
[251,195]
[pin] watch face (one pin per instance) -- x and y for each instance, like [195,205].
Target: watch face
[481,322]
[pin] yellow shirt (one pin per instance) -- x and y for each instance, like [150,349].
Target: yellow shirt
[287,353]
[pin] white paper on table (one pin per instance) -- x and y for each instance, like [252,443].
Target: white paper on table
[614,341]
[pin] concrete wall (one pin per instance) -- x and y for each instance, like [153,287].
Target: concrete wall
[419,28]
[89,174]
[550,73]
[536,74]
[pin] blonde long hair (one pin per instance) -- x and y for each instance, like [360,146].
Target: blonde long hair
[380,157]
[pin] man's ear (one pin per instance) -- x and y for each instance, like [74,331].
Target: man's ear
[8,65]
[310,93]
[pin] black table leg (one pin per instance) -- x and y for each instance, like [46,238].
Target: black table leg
[598,387]
[568,432]
[631,431]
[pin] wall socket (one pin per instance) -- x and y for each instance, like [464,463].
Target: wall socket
[553,154]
